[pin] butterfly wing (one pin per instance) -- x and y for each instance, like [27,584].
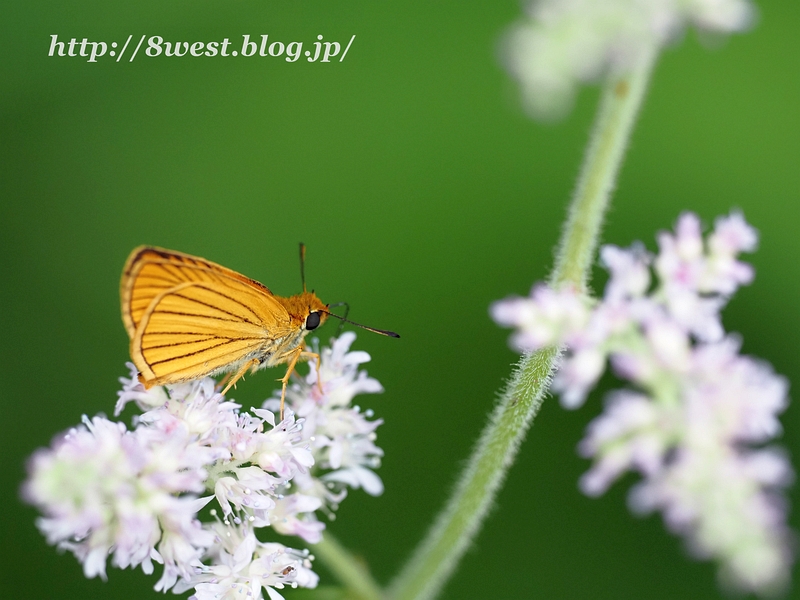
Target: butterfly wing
[150,271]
[200,318]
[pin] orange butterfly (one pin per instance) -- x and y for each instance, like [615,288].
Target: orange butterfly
[189,318]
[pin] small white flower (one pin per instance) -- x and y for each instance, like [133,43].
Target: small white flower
[294,515]
[699,404]
[564,43]
[251,490]
[285,450]
[578,375]
[105,490]
[548,315]
[631,434]
[242,567]
[342,437]
[136,495]
[629,269]
[134,391]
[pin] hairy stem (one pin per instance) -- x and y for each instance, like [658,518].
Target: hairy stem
[437,556]
[351,571]
[619,106]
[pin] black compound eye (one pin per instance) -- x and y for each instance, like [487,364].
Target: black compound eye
[312,321]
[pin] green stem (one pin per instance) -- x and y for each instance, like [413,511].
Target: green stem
[437,557]
[619,106]
[438,554]
[351,571]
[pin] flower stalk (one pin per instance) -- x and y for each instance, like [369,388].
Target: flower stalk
[351,572]
[439,553]
[622,96]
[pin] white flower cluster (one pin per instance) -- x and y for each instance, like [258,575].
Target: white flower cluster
[137,495]
[564,43]
[691,424]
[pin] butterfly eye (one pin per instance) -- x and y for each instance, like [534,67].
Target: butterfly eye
[312,321]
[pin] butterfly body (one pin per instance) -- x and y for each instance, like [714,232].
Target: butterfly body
[189,318]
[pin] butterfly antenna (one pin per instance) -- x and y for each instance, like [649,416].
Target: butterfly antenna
[372,329]
[303,265]
[346,311]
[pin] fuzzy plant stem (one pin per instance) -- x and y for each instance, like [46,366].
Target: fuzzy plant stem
[438,554]
[351,572]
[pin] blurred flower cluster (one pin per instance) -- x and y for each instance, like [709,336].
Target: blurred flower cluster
[564,43]
[696,418]
[194,481]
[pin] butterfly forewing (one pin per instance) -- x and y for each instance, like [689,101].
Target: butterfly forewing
[191,317]
[151,271]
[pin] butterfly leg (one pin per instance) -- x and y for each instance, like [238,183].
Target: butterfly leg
[222,382]
[297,355]
[238,375]
[285,379]
[309,356]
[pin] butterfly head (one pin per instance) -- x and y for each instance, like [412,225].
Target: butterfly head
[306,310]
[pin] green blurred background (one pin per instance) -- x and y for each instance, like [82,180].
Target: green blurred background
[423,194]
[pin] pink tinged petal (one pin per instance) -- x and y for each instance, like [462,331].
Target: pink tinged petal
[136,536]
[644,497]
[630,275]
[286,520]
[179,556]
[222,489]
[147,564]
[577,375]
[243,553]
[335,455]
[766,399]
[303,456]
[630,433]
[94,563]
[724,275]
[732,235]
[699,316]
[675,268]
[688,236]
[306,578]
[357,477]
[512,311]
[604,472]
[309,531]
[341,346]
[341,392]
[266,415]
[168,580]
[196,505]
[255,479]
[523,341]
[625,413]
[563,312]
[634,367]
[274,463]
[666,261]
[134,391]
[746,391]
[365,385]
[356,358]
[769,467]
[301,503]
[670,345]
[547,318]
[610,318]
